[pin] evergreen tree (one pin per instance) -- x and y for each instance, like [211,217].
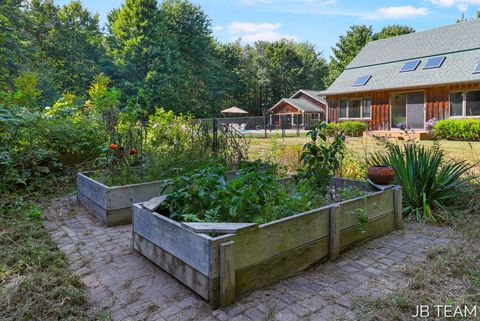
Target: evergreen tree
[347,47]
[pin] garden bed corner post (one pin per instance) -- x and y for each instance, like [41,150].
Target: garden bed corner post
[227,273]
[334,236]
[398,212]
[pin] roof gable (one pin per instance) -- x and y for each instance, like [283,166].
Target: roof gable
[300,104]
[314,94]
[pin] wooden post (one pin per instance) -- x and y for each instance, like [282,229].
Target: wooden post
[397,203]
[334,245]
[227,273]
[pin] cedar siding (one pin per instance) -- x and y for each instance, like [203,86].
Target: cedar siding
[436,103]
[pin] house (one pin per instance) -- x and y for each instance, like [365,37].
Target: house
[302,110]
[407,80]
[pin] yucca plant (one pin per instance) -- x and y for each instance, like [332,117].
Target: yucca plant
[431,182]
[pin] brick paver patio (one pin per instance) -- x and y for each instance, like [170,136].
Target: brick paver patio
[124,284]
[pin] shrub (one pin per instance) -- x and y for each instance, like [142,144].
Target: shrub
[429,179]
[458,129]
[350,128]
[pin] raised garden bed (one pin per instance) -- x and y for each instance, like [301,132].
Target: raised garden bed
[113,204]
[220,261]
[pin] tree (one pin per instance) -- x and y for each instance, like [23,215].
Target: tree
[347,47]
[392,31]
[12,42]
[67,46]
[133,31]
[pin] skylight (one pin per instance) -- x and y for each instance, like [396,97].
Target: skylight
[477,69]
[435,62]
[362,81]
[410,65]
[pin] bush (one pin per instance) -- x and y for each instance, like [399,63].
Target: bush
[429,179]
[458,129]
[350,128]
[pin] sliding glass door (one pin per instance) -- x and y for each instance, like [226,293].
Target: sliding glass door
[408,110]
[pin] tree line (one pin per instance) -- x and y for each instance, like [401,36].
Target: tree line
[157,55]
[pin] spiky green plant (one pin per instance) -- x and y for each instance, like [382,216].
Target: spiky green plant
[431,182]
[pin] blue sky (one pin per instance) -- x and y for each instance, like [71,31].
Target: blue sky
[319,22]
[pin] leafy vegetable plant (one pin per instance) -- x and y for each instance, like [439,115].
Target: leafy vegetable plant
[322,157]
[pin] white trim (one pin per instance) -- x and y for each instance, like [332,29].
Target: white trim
[348,100]
[464,104]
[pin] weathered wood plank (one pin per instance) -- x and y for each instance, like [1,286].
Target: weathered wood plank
[93,190]
[375,205]
[398,209]
[281,266]
[154,203]
[189,247]
[92,206]
[380,187]
[172,265]
[218,227]
[227,273]
[353,237]
[125,196]
[253,246]
[334,237]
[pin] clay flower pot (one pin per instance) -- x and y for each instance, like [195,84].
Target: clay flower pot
[381,174]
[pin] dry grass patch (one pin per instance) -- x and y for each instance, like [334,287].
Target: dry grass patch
[447,275]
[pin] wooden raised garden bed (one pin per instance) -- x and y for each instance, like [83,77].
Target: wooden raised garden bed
[247,256]
[113,204]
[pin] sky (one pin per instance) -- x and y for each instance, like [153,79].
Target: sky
[319,22]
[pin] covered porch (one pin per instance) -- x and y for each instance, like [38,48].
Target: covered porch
[298,114]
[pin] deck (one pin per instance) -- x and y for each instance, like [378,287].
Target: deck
[400,135]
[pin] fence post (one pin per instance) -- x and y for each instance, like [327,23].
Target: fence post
[265,124]
[227,273]
[398,211]
[334,245]
[215,136]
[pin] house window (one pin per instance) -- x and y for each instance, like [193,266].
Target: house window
[315,117]
[465,104]
[473,103]
[456,104]
[355,108]
[366,108]
[343,108]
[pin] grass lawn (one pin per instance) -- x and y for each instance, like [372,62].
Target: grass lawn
[360,146]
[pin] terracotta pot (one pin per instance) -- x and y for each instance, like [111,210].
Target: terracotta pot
[381,174]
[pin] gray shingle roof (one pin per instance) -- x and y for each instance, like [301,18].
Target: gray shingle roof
[382,59]
[315,94]
[303,105]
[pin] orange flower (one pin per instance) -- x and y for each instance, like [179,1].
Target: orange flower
[133,151]
[113,146]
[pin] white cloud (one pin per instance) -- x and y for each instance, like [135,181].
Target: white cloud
[250,27]
[250,32]
[401,12]
[298,2]
[265,36]
[462,5]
